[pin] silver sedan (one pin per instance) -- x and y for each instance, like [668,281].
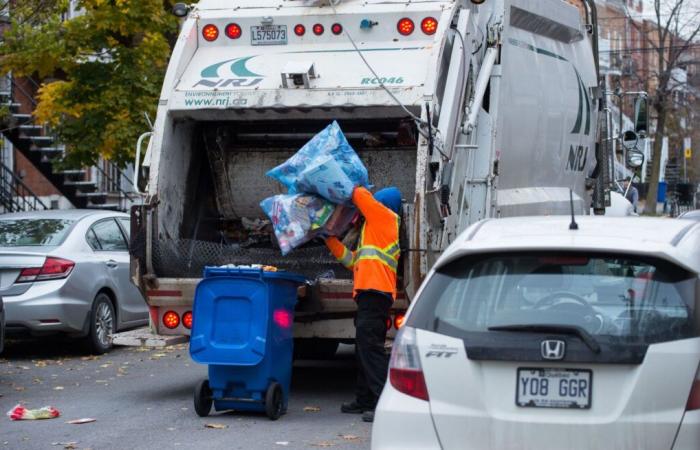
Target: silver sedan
[68,272]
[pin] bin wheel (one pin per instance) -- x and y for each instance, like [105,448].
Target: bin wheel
[273,401]
[202,398]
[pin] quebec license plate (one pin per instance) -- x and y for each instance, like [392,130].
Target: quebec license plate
[554,388]
[268,35]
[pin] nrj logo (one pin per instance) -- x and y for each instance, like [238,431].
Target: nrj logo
[229,73]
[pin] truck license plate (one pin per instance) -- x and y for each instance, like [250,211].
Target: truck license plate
[268,35]
[554,388]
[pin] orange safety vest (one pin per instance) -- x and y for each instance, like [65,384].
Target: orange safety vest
[375,262]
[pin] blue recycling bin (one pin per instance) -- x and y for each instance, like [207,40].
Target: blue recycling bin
[242,328]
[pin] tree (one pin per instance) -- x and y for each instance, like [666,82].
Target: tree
[100,71]
[674,33]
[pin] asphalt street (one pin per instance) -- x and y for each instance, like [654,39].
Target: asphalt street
[142,399]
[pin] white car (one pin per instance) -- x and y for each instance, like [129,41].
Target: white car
[528,334]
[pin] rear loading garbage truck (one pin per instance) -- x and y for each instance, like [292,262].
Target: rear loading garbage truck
[473,109]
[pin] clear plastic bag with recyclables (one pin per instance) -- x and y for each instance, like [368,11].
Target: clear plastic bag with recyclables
[296,218]
[326,165]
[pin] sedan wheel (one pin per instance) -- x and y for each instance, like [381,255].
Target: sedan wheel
[102,324]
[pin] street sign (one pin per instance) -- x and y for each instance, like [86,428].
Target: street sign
[688,153]
[687,146]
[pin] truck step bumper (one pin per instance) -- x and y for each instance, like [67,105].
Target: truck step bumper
[144,337]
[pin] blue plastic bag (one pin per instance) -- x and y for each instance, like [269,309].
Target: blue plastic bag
[326,165]
[296,218]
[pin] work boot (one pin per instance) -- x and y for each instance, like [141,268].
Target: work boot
[368,416]
[352,408]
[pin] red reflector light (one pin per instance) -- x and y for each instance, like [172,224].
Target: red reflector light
[388,324]
[53,269]
[410,382]
[171,319]
[336,28]
[187,320]
[399,320]
[233,31]
[210,32]
[694,397]
[429,25]
[299,30]
[318,29]
[282,318]
[405,26]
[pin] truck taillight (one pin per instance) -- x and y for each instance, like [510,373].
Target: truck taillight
[694,397]
[210,32]
[405,370]
[299,30]
[429,25]
[233,31]
[318,29]
[53,269]
[405,26]
[187,320]
[171,320]
[399,320]
[336,28]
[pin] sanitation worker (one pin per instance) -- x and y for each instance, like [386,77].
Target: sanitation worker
[374,265]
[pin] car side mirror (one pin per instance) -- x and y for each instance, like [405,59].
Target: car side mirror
[641,115]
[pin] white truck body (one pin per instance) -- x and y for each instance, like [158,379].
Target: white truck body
[505,86]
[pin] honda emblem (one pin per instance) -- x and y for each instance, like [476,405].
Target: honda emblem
[553,350]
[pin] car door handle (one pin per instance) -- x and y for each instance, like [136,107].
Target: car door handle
[112,264]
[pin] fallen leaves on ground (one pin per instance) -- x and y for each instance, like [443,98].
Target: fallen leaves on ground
[20,388]
[90,358]
[40,364]
[350,437]
[324,444]
[81,421]
[58,388]
[311,409]
[216,426]
[105,366]
[66,445]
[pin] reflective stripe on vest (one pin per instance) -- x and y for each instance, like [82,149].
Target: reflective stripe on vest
[347,259]
[371,252]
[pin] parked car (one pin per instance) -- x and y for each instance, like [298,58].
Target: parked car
[529,334]
[2,326]
[68,272]
[691,215]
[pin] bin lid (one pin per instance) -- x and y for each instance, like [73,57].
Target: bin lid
[231,314]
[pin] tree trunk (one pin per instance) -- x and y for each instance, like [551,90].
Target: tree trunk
[652,194]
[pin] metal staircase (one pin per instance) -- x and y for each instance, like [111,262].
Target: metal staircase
[100,187]
[15,196]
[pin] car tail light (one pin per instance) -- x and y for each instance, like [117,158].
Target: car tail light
[405,371]
[299,30]
[388,323]
[187,320]
[399,320]
[171,319]
[336,28]
[694,397]
[53,269]
[405,26]
[429,25]
[210,32]
[318,29]
[233,31]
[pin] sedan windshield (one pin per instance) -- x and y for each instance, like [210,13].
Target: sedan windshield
[613,298]
[33,232]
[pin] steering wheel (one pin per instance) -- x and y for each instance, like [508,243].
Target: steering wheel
[550,301]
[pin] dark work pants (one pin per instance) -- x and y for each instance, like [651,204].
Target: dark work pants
[370,334]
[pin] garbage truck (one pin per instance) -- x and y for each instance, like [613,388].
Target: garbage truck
[474,109]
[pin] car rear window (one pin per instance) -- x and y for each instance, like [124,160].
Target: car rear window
[615,298]
[33,232]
